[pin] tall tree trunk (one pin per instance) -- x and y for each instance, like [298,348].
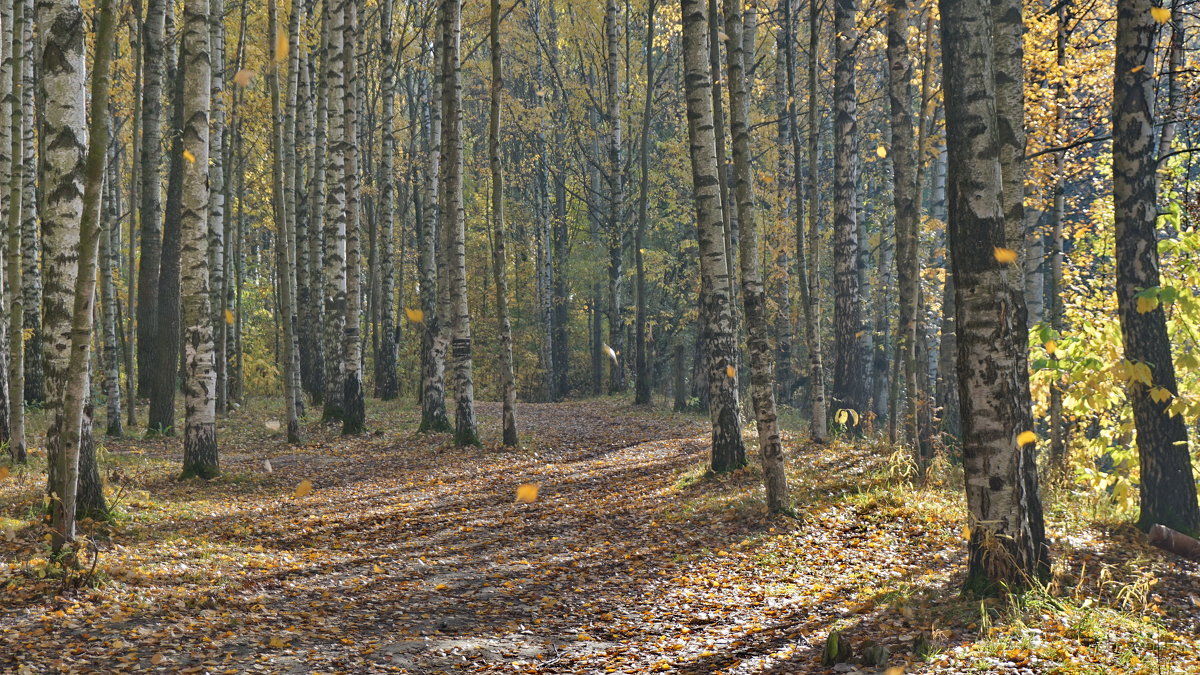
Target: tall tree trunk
[387,386]
[166,369]
[641,388]
[740,28]
[1168,487]
[806,243]
[6,35]
[1058,446]
[216,203]
[200,376]
[1007,544]
[16,297]
[430,253]
[728,448]
[849,374]
[285,260]
[615,180]
[71,228]
[110,260]
[508,383]
[335,214]
[31,271]
[354,411]
[453,226]
[150,218]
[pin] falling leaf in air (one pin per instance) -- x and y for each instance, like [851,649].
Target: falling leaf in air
[881,151]
[1026,437]
[3,472]
[527,493]
[611,354]
[730,371]
[1005,255]
[187,154]
[267,466]
[1160,14]
[1137,69]
[440,587]
[243,77]
[229,317]
[273,425]
[304,488]
[415,315]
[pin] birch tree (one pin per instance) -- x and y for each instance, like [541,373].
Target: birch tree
[335,213]
[1007,542]
[508,383]
[150,216]
[16,296]
[728,448]
[200,376]
[1168,487]
[353,411]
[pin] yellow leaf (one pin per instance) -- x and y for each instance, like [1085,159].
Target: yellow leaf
[377,569]
[841,416]
[187,154]
[730,371]
[1145,304]
[1137,69]
[1004,255]
[259,548]
[1160,14]
[440,587]
[415,315]
[881,151]
[1159,394]
[1026,437]
[277,643]
[1141,373]
[527,493]
[966,532]
[3,472]
[1051,347]
[305,487]
[243,77]
[228,317]
[894,670]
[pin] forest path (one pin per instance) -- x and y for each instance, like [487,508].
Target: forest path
[410,555]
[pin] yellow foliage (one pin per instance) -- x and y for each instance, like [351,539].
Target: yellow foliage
[527,493]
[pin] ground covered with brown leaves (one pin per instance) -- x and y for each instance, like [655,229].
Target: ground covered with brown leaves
[404,554]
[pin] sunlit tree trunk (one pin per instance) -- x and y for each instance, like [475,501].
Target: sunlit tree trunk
[1058,445]
[6,34]
[453,226]
[1168,487]
[615,183]
[508,383]
[200,376]
[740,28]
[728,448]
[71,228]
[1007,544]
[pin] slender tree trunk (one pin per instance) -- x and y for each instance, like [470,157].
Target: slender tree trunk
[285,262]
[354,411]
[71,229]
[615,180]
[1007,544]
[430,250]
[387,386]
[31,271]
[849,374]
[641,388]
[151,192]
[6,113]
[110,259]
[335,214]
[1168,487]
[728,448]
[200,376]
[740,28]
[453,226]
[508,383]
[1058,447]
[216,203]
[16,297]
